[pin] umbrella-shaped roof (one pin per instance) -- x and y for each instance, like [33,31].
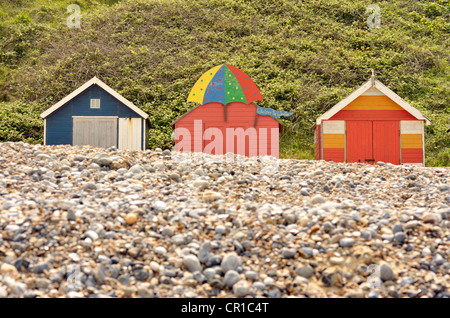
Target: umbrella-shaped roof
[224,84]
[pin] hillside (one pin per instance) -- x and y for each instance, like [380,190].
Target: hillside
[305,56]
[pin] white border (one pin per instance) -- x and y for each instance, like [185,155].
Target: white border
[45,131]
[95,117]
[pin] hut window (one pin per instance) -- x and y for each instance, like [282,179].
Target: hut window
[95,102]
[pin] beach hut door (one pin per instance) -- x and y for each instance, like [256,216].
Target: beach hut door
[95,131]
[130,132]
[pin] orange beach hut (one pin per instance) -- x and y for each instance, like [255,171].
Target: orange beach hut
[372,124]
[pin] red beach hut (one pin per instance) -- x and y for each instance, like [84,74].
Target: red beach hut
[372,124]
[225,119]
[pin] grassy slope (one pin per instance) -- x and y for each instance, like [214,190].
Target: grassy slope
[305,56]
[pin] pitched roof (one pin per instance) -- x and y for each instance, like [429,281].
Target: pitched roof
[94,81]
[372,82]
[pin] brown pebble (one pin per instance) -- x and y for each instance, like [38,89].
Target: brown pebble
[431,218]
[131,218]
[8,269]
[336,238]
[313,229]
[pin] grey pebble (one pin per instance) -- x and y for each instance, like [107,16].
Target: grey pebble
[192,263]
[274,293]
[231,278]
[231,261]
[259,286]
[406,281]
[317,199]
[209,273]
[176,177]
[167,231]
[141,274]
[241,288]
[438,259]
[307,252]
[305,271]
[89,186]
[136,169]
[400,237]
[251,275]
[178,239]
[220,229]
[205,252]
[288,252]
[346,242]
[386,272]
[41,267]
[397,228]
[304,192]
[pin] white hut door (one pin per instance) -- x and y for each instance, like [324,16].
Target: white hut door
[95,131]
[130,132]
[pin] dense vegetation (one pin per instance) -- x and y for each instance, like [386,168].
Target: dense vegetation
[305,56]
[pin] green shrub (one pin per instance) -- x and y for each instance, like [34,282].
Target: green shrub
[20,121]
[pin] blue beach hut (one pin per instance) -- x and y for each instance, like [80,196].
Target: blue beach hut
[96,115]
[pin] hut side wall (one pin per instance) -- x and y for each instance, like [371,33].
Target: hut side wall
[411,141]
[333,140]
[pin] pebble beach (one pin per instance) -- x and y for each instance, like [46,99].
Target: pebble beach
[84,222]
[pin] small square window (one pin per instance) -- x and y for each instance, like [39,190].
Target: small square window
[95,102]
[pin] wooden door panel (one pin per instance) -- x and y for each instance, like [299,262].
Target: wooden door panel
[106,132]
[96,132]
[83,132]
[359,141]
[386,141]
[130,133]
